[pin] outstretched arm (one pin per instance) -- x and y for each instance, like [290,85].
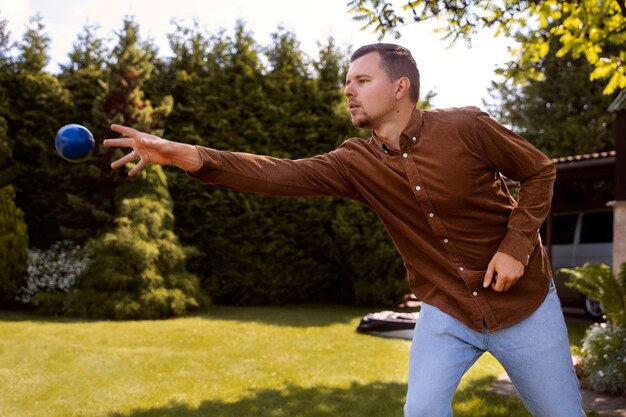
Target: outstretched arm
[150,149]
[321,175]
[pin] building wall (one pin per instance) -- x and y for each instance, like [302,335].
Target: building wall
[619,232]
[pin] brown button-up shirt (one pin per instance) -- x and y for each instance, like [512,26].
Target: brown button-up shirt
[442,198]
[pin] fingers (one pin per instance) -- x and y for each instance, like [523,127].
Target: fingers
[133,140]
[500,284]
[120,143]
[489,275]
[503,272]
[137,168]
[126,142]
[496,281]
[124,130]
[130,157]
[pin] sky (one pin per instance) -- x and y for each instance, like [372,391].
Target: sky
[459,74]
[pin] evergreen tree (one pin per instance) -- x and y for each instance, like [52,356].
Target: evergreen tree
[240,94]
[39,105]
[123,99]
[88,208]
[187,77]
[7,164]
[194,76]
[365,257]
[564,114]
[331,68]
[13,245]
[83,75]
[289,95]
[271,251]
[337,232]
[34,57]
[13,232]
[138,268]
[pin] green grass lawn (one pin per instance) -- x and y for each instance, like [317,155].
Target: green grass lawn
[227,362]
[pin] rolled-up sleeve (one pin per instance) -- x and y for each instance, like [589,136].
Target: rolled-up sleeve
[322,175]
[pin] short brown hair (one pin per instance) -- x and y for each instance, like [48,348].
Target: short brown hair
[396,61]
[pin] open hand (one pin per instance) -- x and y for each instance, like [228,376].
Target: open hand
[146,148]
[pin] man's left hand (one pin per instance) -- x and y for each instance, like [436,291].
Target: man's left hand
[503,272]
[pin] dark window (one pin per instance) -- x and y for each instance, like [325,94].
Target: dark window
[563,229]
[584,193]
[597,227]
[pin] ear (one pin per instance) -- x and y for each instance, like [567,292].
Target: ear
[402,87]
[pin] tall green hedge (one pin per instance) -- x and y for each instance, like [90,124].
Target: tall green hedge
[13,245]
[229,93]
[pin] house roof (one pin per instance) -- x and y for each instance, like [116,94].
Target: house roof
[588,159]
[602,162]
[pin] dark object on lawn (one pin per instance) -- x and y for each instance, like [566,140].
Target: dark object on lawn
[388,324]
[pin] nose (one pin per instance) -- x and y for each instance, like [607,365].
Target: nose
[347,91]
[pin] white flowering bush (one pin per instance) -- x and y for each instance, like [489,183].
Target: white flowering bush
[603,363]
[52,270]
[603,356]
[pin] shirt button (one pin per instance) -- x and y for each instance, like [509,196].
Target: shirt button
[461,269]
[445,241]
[475,293]
[418,188]
[405,154]
[431,214]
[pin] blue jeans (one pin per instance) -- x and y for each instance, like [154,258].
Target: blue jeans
[534,352]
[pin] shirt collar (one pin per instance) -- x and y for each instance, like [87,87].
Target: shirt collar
[414,127]
[412,130]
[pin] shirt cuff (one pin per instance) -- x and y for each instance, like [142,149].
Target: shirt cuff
[518,246]
[205,168]
[198,175]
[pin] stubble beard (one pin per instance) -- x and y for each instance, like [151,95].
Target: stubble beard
[363,121]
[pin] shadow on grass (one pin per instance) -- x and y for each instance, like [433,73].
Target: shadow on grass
[376,399]
[476,400]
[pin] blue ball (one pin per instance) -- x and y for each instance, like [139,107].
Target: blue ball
[74,143]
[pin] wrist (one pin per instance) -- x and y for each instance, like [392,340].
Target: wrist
[187,157]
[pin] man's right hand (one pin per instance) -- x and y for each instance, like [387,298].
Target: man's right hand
[150,149]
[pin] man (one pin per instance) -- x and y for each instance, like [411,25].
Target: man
[473,254]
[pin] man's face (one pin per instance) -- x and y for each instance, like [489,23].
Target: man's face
[370,93]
